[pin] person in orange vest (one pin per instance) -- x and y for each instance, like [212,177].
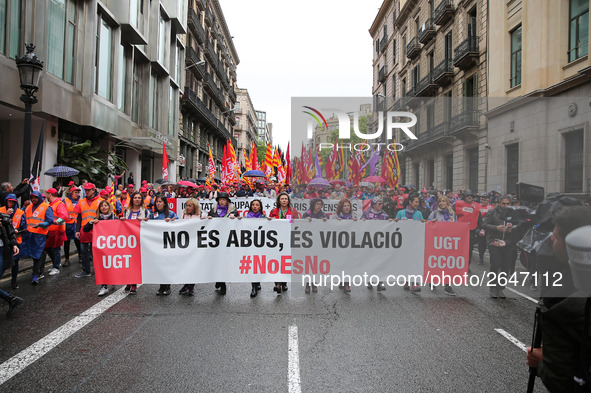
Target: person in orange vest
[39,216]
[467,211]
[57,232]
[8,250]
[71,201]
[86,210]
[146,198]
[17,217]
[124,200]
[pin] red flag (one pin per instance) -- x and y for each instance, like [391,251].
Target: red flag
[254,161]
[287,165]
[210,168]
[164,162]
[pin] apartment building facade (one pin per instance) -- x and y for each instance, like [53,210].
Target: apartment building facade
[209,94]
[245,130]
[430,58]
[540,84]
[112,75]
[263,133]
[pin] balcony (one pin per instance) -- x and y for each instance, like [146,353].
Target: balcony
[411,97]
[431,136]
[383,43]
[444,12]
[427,31]
[426,87]
[191,99]
[382,73]
[443,73]
[466,53]
[464,122]
[195,22]
[214,90]
[413,48]
[380,105]
[232,94]
[209,17]
[191,58]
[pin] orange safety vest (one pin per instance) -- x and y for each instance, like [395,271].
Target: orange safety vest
[72,216]
[36,217]
[88,211]
[147,201]
[16,220]
[55,227]
[124,203]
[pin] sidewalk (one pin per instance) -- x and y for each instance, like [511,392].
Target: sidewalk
[27,263]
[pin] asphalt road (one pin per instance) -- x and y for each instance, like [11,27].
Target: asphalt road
[365,341]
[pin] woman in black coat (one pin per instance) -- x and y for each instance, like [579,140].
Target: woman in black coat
[8,249]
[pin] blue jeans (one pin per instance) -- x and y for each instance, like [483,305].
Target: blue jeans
[3,294]
[86,251]
[56,255]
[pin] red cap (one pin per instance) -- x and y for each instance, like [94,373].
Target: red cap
[75,189]
[108,189]
[124,191]
[52,191]
[71,183]
[104,192]
[143,189]
[130,186]
[144,182]
[89,186]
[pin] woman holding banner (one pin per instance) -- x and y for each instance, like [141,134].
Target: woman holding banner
[345,212]
[444,213]
[222,209]
[104,212]
[135,211]
[315,210]
[255,210]
[162,212]
[283,211]
[410,212]
[376,212]
[192,211]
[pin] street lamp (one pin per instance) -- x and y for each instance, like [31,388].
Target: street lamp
[200,62]
[230,110]
[29,69]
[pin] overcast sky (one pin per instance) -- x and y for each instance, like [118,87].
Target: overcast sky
[302,48]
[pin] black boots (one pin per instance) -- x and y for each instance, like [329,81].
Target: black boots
[221,286]
[13,301]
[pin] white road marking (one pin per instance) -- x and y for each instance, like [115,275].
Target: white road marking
[515,341]
[522,295]
[293,372]
[36,351]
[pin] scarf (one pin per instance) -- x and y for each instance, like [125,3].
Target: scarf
[344,216]
[409,213]
[106,216]
[254,215]
[222,210]
[446,214]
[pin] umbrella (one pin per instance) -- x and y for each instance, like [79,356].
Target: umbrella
[167,183]
[375,179]
[162,181]
[337,181]
[409,186]
[62,171]
[194,180]
[201,180]
[187,183]
[319,182]
[253,173]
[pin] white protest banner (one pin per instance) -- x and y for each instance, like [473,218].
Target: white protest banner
[247,250]
[329,206]
[242,204]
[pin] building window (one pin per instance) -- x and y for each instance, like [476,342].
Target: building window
[431,173]
[430,116]
[473,169]
[122,78]
[171,111]
[512,167]
[516,57]
[154,101]
[404,50]
[10,27]
[449,171]
[574,144]
[447,107]
[394,51]
[578,29]
[136,92]
[161,40]
[104,59]
[448,46]
[61,39]
[394,86]
[416,77]
[417,168]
